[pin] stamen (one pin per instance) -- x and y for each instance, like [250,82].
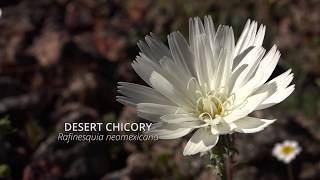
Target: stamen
[241,105]
[204,114]
[190,80]
[198,92]
[206,91]
[212,105]
[230,100]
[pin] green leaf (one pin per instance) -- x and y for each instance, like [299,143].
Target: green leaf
[5,171]
[5,125]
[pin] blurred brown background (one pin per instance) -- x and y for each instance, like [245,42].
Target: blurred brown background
[60,61]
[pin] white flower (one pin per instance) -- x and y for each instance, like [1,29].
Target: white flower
[286,151]
[210,84]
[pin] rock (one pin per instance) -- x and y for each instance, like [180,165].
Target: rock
[47,47]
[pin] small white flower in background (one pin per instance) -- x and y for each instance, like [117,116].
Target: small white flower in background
[286,151]
[208,85]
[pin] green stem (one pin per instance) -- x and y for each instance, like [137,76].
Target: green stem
[228,144]
[217,161]
[229,170]
[222,166]
[290,172]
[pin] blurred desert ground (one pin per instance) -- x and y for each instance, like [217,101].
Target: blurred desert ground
[60,61]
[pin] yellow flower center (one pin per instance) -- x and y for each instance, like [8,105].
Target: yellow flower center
[210,107]
[286,150]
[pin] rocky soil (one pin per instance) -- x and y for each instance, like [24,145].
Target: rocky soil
[60,61]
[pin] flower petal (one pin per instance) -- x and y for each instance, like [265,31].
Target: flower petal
[168,131]
[202,140]
[179,78]
[163,86]
[247,107]
[282,91]
[195,29]
[251,61]
[268,64]
[223,73]
[144,66]
[276,98]
[250,37]
[207,46]
[223,51]
[260,36]
[209,29]
[201,48]
[153,112]
[179,118]
[136,93]
[222,128]
[245,91]
[251,124]
[224,39]
[181,53]
[154,48]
